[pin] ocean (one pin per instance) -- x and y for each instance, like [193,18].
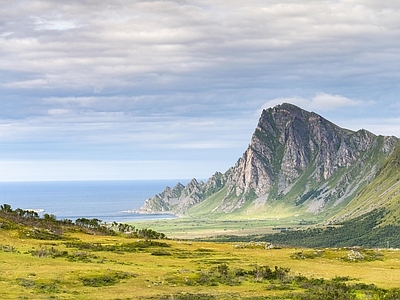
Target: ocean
[104,200]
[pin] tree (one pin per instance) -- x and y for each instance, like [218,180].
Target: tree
[83,222]
[20,212]
[31,214]
[124,228]
[94,223]
[6,208]
[50,218]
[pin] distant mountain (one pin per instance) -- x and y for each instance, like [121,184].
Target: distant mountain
[297,164]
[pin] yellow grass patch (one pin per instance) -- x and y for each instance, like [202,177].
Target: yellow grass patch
[34,269]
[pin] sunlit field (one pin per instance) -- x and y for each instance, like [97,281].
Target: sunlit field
[90,266]
[190,228]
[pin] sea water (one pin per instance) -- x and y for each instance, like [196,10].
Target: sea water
[104,200]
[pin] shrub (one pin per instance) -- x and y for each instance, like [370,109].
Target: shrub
[97,281]
[120,248]
[110,278]
[48,252]
[363,255]
[26,283]
[307,254]
[265,272]
[184,296]
[39,286]
[81,257]
[393,294]
[7,248]
[40,234]
[161,253]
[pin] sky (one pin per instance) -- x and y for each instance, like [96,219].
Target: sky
[126,90]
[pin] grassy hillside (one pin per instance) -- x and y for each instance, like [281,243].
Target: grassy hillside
[382,192]
[90,264]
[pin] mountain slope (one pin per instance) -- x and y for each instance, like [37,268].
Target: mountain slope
[297,164]
[382,192]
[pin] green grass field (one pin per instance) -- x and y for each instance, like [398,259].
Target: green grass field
[191,228]
[89,266]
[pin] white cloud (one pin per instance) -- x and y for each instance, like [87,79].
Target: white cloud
[379,126]
[325,101]
[319,102]
[165,76]
[144,43]
[58,111]
[27,84]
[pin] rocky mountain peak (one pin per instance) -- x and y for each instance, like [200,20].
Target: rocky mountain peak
[296,157]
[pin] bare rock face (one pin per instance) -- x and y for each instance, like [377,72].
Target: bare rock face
[294,156]
[162,202]
[176,200]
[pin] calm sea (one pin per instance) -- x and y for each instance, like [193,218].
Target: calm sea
[105,200]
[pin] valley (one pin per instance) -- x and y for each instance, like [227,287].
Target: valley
[193,228]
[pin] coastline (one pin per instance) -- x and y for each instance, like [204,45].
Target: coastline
[141,212]
[118,201]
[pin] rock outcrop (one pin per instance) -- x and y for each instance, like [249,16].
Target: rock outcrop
[297,159]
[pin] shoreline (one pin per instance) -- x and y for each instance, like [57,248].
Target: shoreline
[141,212]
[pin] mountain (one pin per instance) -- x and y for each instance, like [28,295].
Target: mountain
[382,193]
[297,164]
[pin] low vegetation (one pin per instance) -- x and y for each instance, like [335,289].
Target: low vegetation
[66,260]
[31,225]
[365,231]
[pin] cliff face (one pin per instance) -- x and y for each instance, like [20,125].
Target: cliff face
[297,159]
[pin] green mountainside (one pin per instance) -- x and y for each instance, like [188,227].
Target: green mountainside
[371,219]
[298,165]
[382,192]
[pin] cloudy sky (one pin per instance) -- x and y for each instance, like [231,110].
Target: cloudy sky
[130,89]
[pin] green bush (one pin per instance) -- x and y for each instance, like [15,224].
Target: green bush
[40,234]
[110,278]
[184,296]
[307,254]
[48,252]
[7,248]
[81,257]
[39,286]
[120,248]
[161,253]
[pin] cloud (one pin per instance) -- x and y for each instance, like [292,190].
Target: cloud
[380,126]
[179,78]
[319,102]
[167,44]
[53,24]
[58,111]
[27,84]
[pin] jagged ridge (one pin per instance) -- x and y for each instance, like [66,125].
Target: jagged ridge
[297,163]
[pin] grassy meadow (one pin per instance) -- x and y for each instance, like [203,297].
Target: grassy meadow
[192,228]
[79,265]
